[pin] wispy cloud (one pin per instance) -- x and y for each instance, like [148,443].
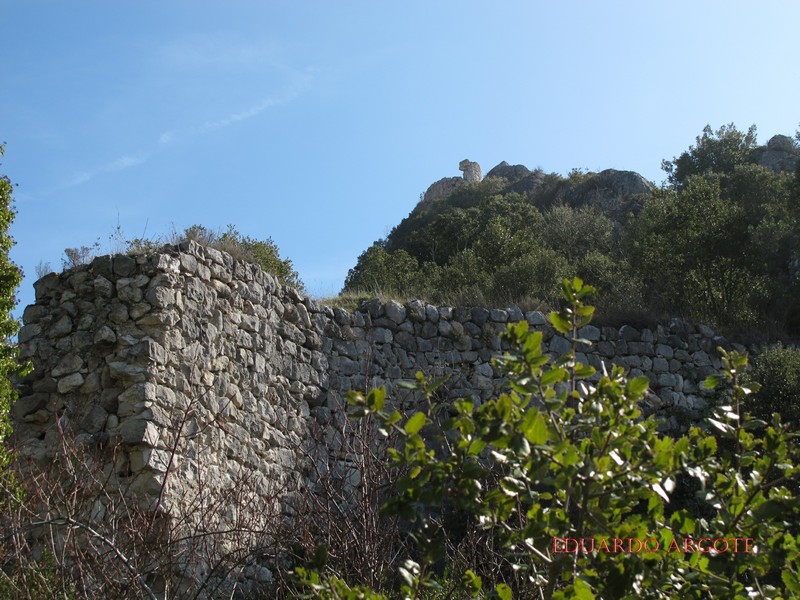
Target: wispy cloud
[77,179]
[125,162]
[240,116]
[302,82]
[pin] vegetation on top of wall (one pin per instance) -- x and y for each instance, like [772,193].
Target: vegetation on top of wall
[264,253]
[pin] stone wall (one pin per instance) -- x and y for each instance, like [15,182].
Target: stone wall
[190,362]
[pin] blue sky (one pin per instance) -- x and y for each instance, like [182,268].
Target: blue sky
[319,124]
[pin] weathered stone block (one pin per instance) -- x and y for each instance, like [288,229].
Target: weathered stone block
[70,383]
[71,363]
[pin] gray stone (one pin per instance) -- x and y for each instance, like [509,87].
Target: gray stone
[705,331]
[124,265]
[644,348]
[429,329]
[441,189]
[95,421]
[160,297]
[61,327]
[381,336]
[26,405]
[664,350]
[138,431]
[415,311]
[535,318]
[701,359]
[71,363]
[497,315]
[103,287]
[102,266]
[431,313]
[126,372]
[781,154]
[589,332]
[249,368]
[70,383]
[606,349]
[660,365]
[560,345]
[666,380]
[445,328]
[34,313]
[105,335]
[374,307]
[479,316]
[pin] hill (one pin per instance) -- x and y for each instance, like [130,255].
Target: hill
[716,242]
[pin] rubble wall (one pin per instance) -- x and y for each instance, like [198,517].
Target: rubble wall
[191,363]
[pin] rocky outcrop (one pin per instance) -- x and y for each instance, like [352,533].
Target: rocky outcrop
[440,189]
[615,193]
[511,173]
[780,154]
[519,178]
[471,170]
[444,187]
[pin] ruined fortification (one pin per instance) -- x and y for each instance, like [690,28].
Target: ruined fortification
[191,363]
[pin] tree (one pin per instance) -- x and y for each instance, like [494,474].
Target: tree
[690,249]
[379,271]
[777,371]
[10,278]
[715,152]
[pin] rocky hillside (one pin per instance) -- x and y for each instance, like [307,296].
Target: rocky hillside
[717,241]
[614,192]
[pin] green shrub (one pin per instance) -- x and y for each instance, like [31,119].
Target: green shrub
[777,370]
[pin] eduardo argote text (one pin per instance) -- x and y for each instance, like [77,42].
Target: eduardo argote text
[637,545]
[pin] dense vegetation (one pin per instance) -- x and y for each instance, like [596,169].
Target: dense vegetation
[718,242]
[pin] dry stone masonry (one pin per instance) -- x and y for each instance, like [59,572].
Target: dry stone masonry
[190,362]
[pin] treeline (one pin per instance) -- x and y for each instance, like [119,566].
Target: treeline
[718,242]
